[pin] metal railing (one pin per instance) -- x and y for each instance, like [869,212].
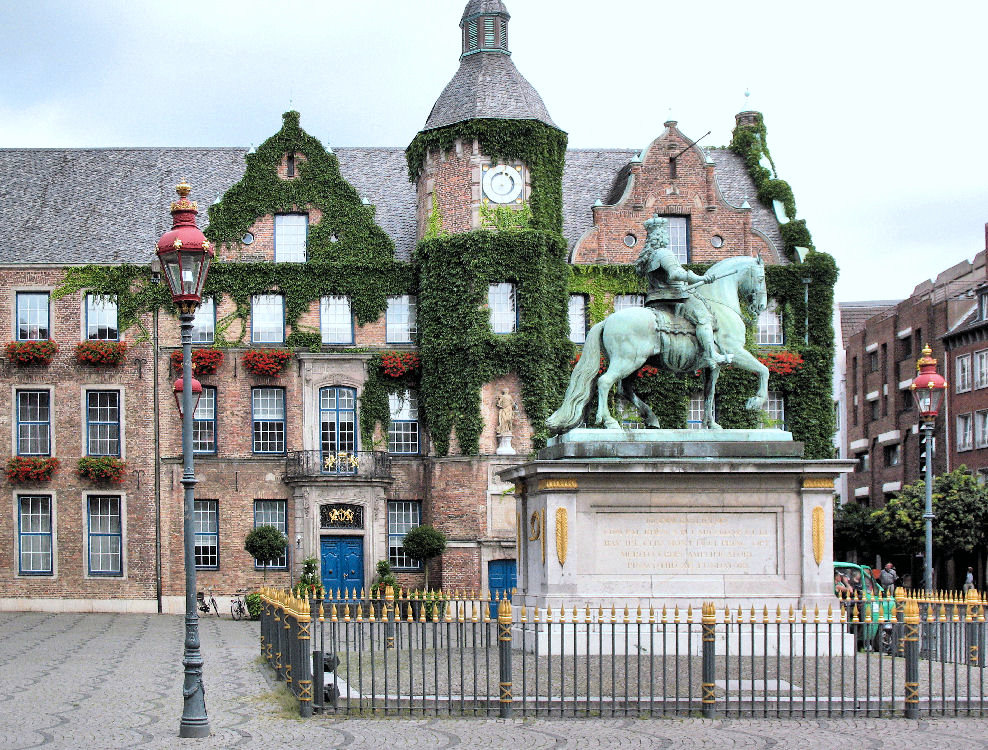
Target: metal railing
[406,655]
[364,464]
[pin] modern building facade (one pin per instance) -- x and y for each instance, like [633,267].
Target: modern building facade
[340,259]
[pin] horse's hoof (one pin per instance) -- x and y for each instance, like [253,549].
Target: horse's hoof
[753,403]
[611,424]
[714,426]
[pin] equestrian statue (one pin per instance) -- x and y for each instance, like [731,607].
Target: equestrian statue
[689,322]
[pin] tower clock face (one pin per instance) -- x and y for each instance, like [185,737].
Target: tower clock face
[502,184]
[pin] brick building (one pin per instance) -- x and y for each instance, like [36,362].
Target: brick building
[883,341]
[288,450]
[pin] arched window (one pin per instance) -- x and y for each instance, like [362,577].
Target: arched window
[337,426]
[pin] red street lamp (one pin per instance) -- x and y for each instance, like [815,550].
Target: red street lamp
[178,390]
[184,253]
[928,389]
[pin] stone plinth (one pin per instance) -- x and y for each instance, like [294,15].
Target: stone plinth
[675,518]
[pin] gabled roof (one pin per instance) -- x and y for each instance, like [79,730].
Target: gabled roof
[737,187]
[854,315]
[487,85]
[77,206]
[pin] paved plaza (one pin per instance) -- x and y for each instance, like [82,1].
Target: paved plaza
[114,681]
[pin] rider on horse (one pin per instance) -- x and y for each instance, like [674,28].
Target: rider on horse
[667,287]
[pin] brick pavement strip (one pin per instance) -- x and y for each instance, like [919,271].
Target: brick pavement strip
[114,681]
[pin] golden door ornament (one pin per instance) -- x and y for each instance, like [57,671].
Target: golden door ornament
[562,534]
[819,534]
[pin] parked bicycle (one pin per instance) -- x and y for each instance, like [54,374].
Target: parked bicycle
[238,605]
[206,604]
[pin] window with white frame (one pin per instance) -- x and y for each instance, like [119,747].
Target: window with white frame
[33,423]
[335,320]
[504,311]
[268,412]
[105,532]
[770,325]
[32,316]
[101,318]
[963,367]
[981,429]
[679,237]
[204,422]
[403,432]
[272,513]
[401,325]
[981,369]
[624,301]
[290,232]
[893,455]
[207,530]
[267,319]
[964,432]
[103,423]
[204,322]
[983,307]
[577,318]
[697,412]
[34,524]
[776,408]
[403,516]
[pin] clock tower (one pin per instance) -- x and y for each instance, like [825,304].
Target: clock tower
[457,178]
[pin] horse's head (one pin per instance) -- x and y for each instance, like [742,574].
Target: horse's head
[753,285]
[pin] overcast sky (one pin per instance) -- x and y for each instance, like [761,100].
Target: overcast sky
[875,110]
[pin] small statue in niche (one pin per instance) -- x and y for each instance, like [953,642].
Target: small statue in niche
[506,409]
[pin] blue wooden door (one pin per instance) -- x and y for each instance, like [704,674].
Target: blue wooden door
[343,564]
[502,577]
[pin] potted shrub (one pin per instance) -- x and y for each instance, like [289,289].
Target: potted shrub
[265,543]
[101,353]
[32,352]
[102,468]
[309,582]
[271,362]
[22,469]
[204,361]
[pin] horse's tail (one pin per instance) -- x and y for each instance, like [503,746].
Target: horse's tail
[570,414]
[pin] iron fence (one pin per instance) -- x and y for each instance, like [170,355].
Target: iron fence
[462,654]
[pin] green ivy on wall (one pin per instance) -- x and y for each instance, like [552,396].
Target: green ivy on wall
[459,351]
[540,147]
[375,408]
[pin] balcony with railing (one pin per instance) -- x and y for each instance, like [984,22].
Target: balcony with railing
[339,464]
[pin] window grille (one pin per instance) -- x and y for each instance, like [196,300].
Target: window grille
[624,301]
[335,320]
[268,409]
[290,232]
[105,536]
[403,432]
[267,319]
[34,534]
[207,530]
[103,423]
[503,310]
[33,423]
[32,316]
[577,318]
[697,412]
[401,324]
[403,516]
[770,325]
[204,322]
[204,422]
[101,318]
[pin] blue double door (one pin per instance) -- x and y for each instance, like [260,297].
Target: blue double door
[342,564]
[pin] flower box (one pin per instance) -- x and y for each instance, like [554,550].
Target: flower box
[271,362]
[781,362]
[398,364]
[102,468]
[204,361]
[22,469]
[101,353]
[32,352]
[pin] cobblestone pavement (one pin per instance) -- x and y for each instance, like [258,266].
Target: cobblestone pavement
[114,681]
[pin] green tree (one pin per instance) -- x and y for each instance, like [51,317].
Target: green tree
[423,543]
[855,528]
[266,543]
[959,505]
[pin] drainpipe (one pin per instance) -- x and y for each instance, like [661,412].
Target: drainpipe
[156,278]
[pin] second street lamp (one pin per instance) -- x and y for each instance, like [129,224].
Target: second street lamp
[185,254]
[928,389]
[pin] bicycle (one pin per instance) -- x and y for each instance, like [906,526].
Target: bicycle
[205,605]
[238,606]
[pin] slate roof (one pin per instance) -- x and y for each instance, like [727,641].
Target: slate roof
[737,186]
[487,85]
[77,206]
[854,315]
[478,7]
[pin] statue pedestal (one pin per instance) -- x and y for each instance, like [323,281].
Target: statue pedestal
[504,445]
[675,518]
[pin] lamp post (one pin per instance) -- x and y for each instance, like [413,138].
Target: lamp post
[185,253]
[928,389]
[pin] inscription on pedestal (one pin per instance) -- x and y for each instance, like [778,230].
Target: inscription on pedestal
[690,543]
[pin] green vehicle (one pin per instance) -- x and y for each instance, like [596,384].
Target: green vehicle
[858,580]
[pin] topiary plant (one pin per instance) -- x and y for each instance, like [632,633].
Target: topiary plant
[253,602]
[265,543]
[423,543]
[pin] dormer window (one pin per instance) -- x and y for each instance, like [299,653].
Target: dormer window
[983,306]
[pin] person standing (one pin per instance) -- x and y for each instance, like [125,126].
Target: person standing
[888,577]
[969,580]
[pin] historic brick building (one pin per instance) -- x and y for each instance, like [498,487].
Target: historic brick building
[294,450]
[883,341]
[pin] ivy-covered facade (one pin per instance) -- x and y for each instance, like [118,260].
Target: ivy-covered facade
[379,313]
